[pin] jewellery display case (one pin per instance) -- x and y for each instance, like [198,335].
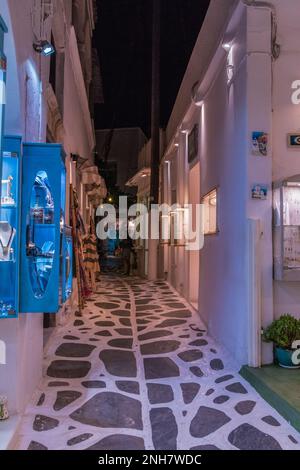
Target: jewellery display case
[43,210]
[286,229]
[67,264]
[3,30]
[9,227]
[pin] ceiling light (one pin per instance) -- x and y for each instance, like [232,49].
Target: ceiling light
[44,47]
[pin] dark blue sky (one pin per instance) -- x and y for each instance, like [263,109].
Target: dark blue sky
[123,40]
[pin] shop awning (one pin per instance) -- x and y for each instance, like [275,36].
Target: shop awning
[94,183]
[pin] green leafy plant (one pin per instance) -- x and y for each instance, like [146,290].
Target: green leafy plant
[283,332]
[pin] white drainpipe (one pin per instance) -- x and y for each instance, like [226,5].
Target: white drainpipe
[254,293]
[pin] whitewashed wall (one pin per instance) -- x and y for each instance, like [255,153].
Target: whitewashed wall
[26,116]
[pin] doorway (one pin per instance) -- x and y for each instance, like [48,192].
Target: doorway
[194,256]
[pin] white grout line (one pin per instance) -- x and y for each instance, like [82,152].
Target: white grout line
[147,431]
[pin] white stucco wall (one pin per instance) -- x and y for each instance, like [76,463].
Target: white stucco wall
[25,115]
[223,281]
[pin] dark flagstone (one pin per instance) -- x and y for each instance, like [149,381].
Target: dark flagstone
[58,384]
[128,386]
[119,363]
[224,378]
[270,420]
[221,399]
[175,304]
[213,351]
[199,342]
[205,447]
[247,437]
[124,331]
[144,301]
[164,429]
[78,322]
[154,334]
[94,384]
[236,388]
[65,398]
[119,442]
[68,369]
[244,407]
[41,400]
[121,313]
[36,446]
[125,321]
[74,350]
[209,392]
[124,343]
[190,356]
[184,336]
[94,339]
[141,308]
[196,371]
[110,410]
[142,322]
[160,368]
[292,439]
[178,314]
[160,393]
[207,420]
[103,333]
[189,391]
[44,423]
[106,305]
[71,338]
[78,439]
[170,322]
[217,364]
[141,328]
[104,323]
[160,347]
[94,317]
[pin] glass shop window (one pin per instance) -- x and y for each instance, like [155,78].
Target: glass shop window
[210,202]
[40,234]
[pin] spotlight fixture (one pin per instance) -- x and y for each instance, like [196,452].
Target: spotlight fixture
[44,47]
[227,46]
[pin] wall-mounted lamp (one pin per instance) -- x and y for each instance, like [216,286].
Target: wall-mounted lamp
[44,47]
[226,46]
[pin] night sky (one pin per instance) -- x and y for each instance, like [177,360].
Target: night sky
[123,40]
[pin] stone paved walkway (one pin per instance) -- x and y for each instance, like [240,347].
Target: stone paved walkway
[138,371]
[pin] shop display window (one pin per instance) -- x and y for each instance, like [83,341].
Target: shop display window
[286,229]
[67,263]
[9,227]
[43,210]
[210,202]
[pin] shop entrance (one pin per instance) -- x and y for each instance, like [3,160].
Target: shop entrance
[194,256]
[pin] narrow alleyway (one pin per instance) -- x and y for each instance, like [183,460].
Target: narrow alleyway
[139,372]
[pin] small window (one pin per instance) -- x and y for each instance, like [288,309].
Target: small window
[210,202]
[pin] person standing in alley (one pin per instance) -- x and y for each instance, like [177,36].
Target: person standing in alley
[126,246]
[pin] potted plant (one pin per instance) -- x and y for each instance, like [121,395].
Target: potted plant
[284,333]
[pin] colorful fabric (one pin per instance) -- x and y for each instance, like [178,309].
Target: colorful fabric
[90,253]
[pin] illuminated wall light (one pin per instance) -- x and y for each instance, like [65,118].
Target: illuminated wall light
[226,46]
[44,47]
